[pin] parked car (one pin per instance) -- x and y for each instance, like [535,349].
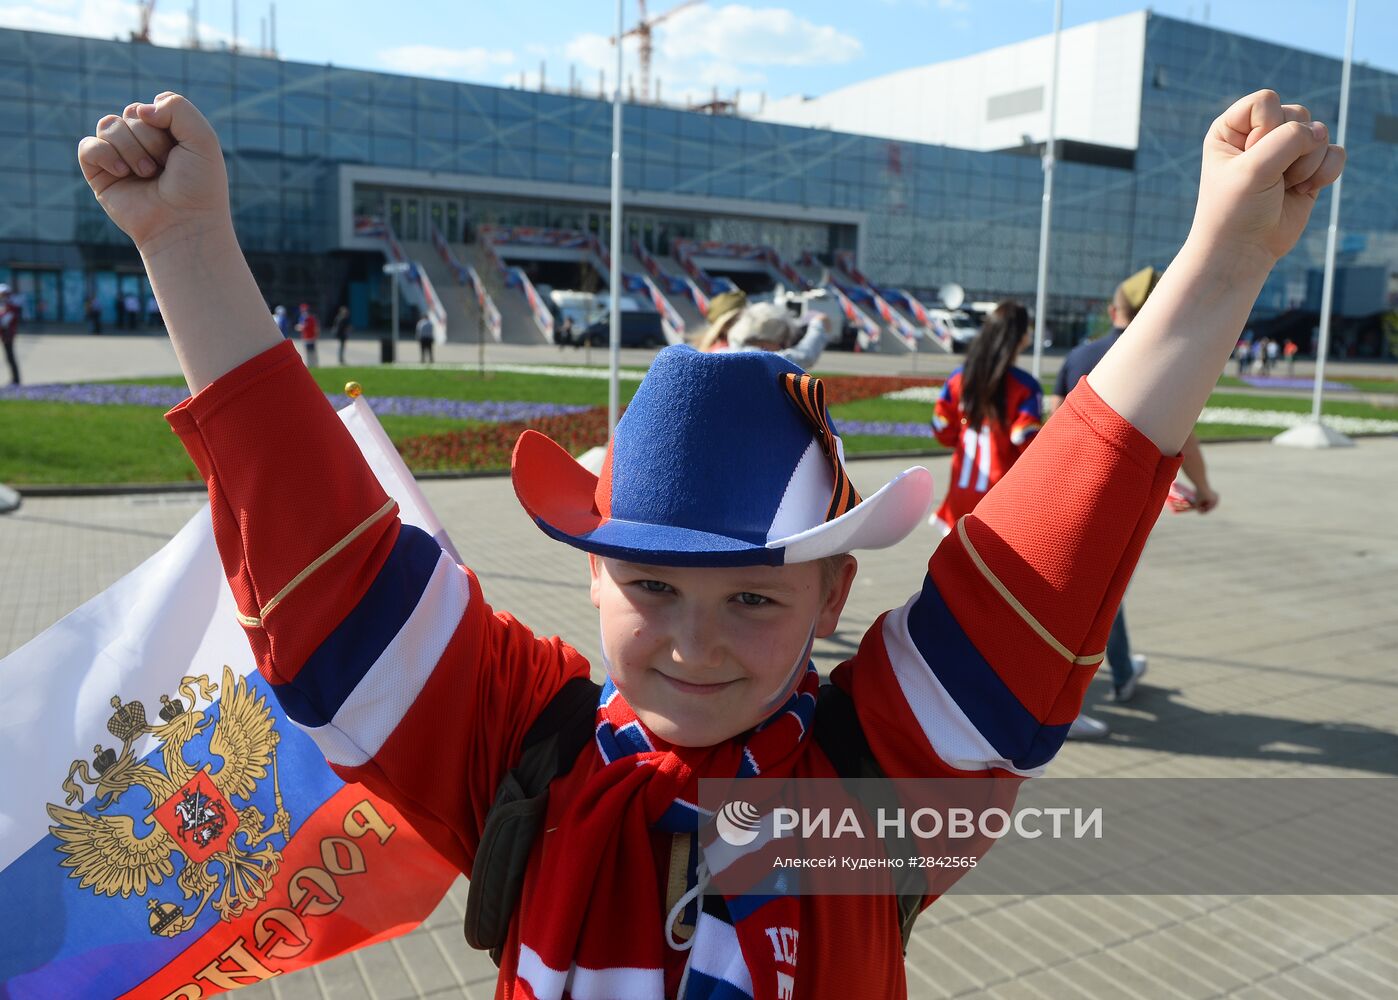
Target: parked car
[961,326]
[638,329]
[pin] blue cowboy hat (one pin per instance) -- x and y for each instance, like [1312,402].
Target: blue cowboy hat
[725,459]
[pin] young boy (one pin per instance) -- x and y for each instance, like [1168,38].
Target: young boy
[716,535]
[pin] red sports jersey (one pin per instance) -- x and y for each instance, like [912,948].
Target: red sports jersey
[985,453]
[386,652]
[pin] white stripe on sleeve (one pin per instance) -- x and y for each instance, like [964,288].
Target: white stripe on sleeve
[953,736]
[383,696]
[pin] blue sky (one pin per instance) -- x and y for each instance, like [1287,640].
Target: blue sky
[806,47]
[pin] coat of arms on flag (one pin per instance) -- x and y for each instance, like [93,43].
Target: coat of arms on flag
[170,832]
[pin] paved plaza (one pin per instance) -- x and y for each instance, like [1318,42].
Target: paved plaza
[1273,636]
[70,356]
[1273,639]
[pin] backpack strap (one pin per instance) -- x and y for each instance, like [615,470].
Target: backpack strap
[841,736]
[551,747]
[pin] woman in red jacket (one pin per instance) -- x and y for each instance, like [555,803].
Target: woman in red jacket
[988,411]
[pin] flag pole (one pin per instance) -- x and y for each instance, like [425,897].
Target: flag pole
[1046,216]
[614,278]
[1314,434]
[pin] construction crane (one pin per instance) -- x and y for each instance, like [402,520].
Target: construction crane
[642,31]
[147,11]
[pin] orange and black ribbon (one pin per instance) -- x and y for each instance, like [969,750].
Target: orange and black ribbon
[808,394]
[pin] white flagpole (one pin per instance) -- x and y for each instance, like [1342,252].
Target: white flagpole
[614,278]
[1315,434]
[1046,217]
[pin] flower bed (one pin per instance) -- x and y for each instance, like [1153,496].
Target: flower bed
[489,446]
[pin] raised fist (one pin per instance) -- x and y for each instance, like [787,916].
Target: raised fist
[157,170]
[1264,164]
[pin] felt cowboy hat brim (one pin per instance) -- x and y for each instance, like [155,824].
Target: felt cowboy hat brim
[561,496]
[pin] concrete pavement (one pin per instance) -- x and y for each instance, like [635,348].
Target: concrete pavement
[80,357]
[1273,638]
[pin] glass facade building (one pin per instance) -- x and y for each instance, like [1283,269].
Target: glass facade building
[308,147]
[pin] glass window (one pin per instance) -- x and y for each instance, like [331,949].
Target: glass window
[590,170]
[14,81]
[108,56]
[349,86]
[392,90]
[551,167]
[14,116]
[293,140]
[436,124]
[344,145]
[431,155]
[392,151]
[214,100]
[210,67]
[57,224]
[303,109]
[302,80]
[256,103]
[435,94]
[57,155]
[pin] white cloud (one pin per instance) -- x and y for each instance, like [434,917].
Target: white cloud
[431,60]
[728,47]
[749,36]
[110,19]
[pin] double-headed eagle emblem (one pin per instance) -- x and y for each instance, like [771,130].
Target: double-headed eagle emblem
[227,861]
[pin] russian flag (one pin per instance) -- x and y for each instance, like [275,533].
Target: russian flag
[165,830]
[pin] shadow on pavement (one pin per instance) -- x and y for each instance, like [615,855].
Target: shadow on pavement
[1157,720]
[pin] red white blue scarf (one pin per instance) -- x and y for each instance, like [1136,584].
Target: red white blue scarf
[592,920]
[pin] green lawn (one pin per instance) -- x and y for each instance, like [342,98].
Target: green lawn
[1388,385]
[64,443]
[1298,404]
[73,443]
[462,385]
[900,410]
[67,443]
[857,444]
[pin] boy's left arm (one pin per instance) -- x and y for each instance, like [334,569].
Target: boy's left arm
[993,656]
[985,668]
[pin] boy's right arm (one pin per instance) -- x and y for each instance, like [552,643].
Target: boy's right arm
[158,171]
[375,642]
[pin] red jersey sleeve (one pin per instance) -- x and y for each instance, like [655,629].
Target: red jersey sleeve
[984,669]
[1024,403]
[946,414]
[376,643]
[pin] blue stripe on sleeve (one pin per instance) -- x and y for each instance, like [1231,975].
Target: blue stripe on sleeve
[702,986]
[977,689]
[341,661]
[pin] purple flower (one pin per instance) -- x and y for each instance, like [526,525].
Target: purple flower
[885,428]
[109,394]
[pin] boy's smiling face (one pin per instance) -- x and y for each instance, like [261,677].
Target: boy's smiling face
[703,654]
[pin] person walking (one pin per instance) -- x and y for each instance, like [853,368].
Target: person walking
[1273,352]
[131,302]
[341,328]
[1240,355]
[93,311]
[283,321]
[1128,668]
[309,328]
[1289,350]
[988,412]
[9,329]
[424,339]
